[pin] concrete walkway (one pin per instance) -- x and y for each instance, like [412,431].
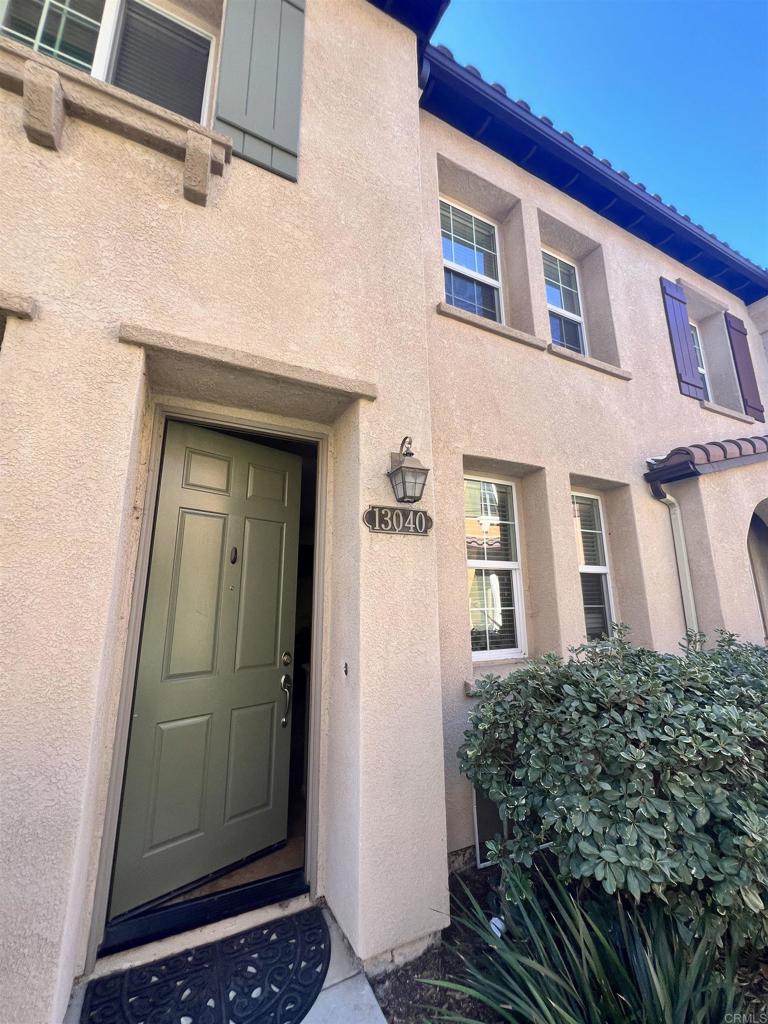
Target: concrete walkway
[346,997]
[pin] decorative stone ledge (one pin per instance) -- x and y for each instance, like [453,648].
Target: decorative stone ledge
[196,369]
[589,362]
[19,306]
[724,411]
[490,325]
[498,668]
[52,90]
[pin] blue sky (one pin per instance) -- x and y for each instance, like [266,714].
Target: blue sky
[675,92]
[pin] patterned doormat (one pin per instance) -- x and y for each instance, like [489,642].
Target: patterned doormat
[268,975]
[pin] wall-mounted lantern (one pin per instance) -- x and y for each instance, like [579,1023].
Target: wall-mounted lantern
[407,475]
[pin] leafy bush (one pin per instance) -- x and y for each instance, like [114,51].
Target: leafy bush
[640,771]
[557,963]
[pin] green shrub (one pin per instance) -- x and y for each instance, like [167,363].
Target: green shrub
[559,963]
[640,771]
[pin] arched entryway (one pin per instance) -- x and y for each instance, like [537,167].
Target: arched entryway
[757,545]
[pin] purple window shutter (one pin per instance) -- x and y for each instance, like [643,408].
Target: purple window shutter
[688,376]
[745,371]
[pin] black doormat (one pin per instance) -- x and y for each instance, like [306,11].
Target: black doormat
[268,975]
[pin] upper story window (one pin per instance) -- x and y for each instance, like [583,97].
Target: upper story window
[471,262]
[593,565]
[497,628]
[66,30]
[566,320]
[699,353]
[711,350]
[134,45]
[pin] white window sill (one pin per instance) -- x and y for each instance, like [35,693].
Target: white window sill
[723,411]
[503,667]
[490,325]
[589,362]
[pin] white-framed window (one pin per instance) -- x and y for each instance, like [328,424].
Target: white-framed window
[700,363]
[497,622]
[566,318]
[65,29]
[470,262]
[136,45]
[593,565]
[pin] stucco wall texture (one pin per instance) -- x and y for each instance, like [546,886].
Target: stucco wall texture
[514,411]
[339,273]
[326,274]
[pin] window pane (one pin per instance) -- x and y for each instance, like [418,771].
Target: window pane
[471,243]
[492,609]
[69,32]
[474,296]
[21,20]
[573,337]
[445,217]
[462,225]
[566,332]
[571,301]
[555,327]
[561,285]
[464,254]
[699,358]
[485,236]
[589,531]
[596,617]
[567,274]
[489,521]
[486,264]
[554,295]
[550,268]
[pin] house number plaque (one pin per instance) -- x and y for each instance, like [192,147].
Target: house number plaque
[386,519]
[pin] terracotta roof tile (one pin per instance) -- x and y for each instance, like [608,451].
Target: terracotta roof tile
[696,459]
[567,135]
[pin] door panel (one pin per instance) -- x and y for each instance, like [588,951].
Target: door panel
[206,779]
[195,593]
[206,472]
[267,483]
[260,594]
[178,780]
[252,733]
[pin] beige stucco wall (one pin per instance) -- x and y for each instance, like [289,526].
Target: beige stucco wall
[338,274]
[549,423]
[325,274]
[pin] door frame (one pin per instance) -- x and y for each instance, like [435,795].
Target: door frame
[160,412]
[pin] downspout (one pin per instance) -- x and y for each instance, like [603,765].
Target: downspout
[681,555]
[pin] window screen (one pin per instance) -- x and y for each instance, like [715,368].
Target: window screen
[162,61]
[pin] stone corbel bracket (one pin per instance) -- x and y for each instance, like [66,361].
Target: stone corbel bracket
[19,306]
[51,91]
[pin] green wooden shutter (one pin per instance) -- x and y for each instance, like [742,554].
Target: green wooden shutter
[259,98]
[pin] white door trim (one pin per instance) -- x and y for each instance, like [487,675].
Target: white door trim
[258,426]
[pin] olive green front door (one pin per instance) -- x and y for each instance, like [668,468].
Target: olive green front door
[206,779]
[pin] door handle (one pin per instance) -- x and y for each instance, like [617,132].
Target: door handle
[286,685]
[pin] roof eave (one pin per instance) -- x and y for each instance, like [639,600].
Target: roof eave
[421,17]
[476,108]
[687,470]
